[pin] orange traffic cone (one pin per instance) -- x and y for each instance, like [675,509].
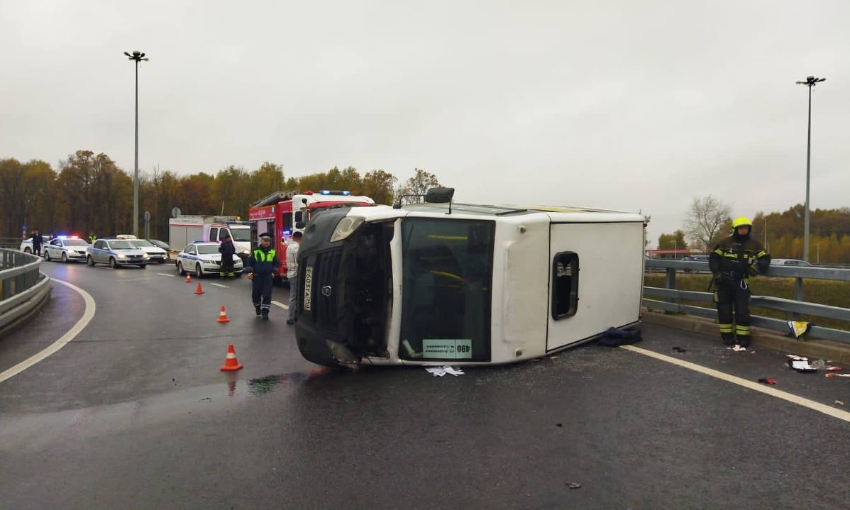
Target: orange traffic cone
[222,316]
[199,290]
[230,362]
[188,278]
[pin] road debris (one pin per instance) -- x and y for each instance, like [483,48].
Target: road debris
[765,380]
[839,403]
[679,349]
[831,375]
[573,485]
[801,365]
[441,371]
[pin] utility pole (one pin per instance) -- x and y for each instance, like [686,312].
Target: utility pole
[137,56]
[810,82]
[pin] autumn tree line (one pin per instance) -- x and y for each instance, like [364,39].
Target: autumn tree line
[708,220]
[90,194]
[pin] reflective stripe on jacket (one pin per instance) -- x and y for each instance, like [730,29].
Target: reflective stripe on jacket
[263,261]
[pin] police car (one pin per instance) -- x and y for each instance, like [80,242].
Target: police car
[26,245]
[202,258]
[115,253]
[66,249]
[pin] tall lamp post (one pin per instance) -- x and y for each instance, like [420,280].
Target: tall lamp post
[136,57]
[810,82]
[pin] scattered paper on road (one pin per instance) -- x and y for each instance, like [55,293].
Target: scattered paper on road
[801,365]
[441,371]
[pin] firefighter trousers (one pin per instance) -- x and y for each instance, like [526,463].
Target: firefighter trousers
[227,265]
[261,293]
[733,312]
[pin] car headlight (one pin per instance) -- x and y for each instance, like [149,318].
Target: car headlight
[345,227]
[121,256]
[145,257]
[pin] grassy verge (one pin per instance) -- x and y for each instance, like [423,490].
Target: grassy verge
[816,291]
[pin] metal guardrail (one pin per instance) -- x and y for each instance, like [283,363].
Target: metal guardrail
[796,306]
[22,287]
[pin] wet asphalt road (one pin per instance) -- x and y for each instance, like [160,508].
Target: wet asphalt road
[134,413]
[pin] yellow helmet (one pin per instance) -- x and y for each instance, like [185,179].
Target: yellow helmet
[741,221]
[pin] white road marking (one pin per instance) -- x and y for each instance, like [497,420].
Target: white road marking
[280,305]
[794,399]
[63,340]
[220,285]
[164,274]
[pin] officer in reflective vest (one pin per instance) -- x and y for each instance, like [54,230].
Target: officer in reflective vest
[733,261]
[261,267]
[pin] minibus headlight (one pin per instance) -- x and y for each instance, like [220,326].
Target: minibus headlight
[345,227]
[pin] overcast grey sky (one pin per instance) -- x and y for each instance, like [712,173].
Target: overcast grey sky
[631,105]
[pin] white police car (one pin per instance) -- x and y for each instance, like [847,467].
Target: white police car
[203,258]
[115,253]
[26,245]
[155,253]
[66,249]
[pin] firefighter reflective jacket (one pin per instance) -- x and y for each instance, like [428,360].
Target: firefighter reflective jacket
[734,256]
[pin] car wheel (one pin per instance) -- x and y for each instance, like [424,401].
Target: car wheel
[47,255]
[180,270]
[143,266]
[199,272]
[65,258]
[27,250]
[89,260]
[113,264]
[161,261]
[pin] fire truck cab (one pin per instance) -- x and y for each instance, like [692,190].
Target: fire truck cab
[284,213]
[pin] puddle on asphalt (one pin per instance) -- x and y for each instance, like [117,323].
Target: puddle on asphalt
[263,385]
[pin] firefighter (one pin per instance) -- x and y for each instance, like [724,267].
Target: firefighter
[733,261]
[261,267]
[227,251]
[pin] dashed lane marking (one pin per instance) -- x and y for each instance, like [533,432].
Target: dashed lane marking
[794,399]
[63,340]
[165,274]
[280,305]
[220,285]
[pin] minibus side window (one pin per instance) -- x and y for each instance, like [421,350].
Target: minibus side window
[564,285]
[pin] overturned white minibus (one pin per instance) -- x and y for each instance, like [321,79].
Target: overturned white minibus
[441,282]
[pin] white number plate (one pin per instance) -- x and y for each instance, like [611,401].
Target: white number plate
[308,288]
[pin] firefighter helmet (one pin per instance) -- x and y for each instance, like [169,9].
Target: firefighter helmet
[741,221]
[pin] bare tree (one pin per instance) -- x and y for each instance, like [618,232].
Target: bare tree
[413,189]
[705,219]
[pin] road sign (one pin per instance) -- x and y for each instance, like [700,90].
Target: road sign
[147,215]
[176,212]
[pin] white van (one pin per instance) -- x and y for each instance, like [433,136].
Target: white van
[438,283]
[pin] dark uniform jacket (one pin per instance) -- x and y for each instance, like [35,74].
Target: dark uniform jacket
[227,248]
[735,258]
[263,261]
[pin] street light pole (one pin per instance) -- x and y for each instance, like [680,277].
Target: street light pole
[137,57]
[810,82]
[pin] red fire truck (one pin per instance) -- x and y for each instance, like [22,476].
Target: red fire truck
[284,213]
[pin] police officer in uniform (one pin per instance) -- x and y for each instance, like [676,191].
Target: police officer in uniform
[732,262]
[261,267]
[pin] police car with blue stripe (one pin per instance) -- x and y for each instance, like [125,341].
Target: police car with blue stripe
[201,258]
[66,249]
